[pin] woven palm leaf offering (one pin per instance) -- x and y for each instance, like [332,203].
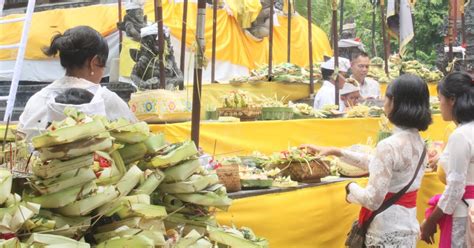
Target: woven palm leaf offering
[300,165]
[239,104]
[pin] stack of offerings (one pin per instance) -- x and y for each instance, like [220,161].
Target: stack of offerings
[188,190]
[80,177]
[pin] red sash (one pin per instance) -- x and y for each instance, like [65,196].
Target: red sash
[407,200]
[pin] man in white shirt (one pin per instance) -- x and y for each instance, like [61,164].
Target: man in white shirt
[326,94]
[369,88]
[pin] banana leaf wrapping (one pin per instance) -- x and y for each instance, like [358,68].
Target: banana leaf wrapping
[181,171]
[235,238]
[130,241]
[65,180]
[79,148]
[47,221]
[113,207]
[216,198]
[150,183]
[69,134]
[90,202]
[56,167]
[14,216]
[56,241]
[6,179]
[133,153]
[129,180]
[127,133]
[179,153]
[62,198]
[193,184]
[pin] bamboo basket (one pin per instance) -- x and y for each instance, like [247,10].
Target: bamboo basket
[245,114]
[230,177]
[311,172]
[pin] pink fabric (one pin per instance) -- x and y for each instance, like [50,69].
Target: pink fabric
[446,222]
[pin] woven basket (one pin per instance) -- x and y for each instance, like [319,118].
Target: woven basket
[300,171]
[245,114]
[277,113]
[229,176]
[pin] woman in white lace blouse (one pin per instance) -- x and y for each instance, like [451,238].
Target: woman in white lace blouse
[392,166]
[450,209]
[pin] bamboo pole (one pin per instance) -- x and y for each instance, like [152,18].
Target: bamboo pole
[310,48]
[161,41]
[336,49]
[270,40]
[183,36]
[289,32]
[199,64]
[384,37]
[214,33]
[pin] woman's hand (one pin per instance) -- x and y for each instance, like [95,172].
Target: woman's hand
[428,230]
[321,150]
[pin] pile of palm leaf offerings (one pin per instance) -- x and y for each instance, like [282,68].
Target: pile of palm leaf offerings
[98,183]
[427,73]
[364,111]
[285,72]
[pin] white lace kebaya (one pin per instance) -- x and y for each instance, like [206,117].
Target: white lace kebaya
[391,168]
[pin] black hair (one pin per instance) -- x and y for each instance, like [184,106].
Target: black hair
[326,74]
[460,86]
[357,54]
[78,45]
[74,96]
[411,102]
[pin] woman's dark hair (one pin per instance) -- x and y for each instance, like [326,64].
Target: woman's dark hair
[78,45]
[75,96]
[411,102]
[460,86]
[326,74]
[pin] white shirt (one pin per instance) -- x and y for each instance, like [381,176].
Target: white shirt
[457,161]
[326,96]
[390,169]
[370,89]
[35,116]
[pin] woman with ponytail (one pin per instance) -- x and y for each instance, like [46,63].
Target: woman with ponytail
[450,209]
[83,53]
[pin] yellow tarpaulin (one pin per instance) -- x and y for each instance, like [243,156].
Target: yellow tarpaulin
[232,44]
[315,217]
[272,136]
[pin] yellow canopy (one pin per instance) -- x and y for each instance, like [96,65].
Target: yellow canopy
[232,44]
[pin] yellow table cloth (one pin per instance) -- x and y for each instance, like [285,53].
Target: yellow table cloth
[311,217]
[271,136]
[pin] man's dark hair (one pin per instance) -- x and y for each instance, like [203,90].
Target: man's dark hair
[359,53]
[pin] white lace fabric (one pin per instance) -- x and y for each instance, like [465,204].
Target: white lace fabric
[391,168]
[458,162]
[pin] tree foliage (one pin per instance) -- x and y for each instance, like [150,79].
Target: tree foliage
[429,16]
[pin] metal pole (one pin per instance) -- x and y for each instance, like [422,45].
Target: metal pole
[310,48]
[161,41]
[120,21]
[289,32]
[384,36]
[214,31]
[341,15]
[183,36]
[463,29]
[197,82]
[270,46]
[336,48]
